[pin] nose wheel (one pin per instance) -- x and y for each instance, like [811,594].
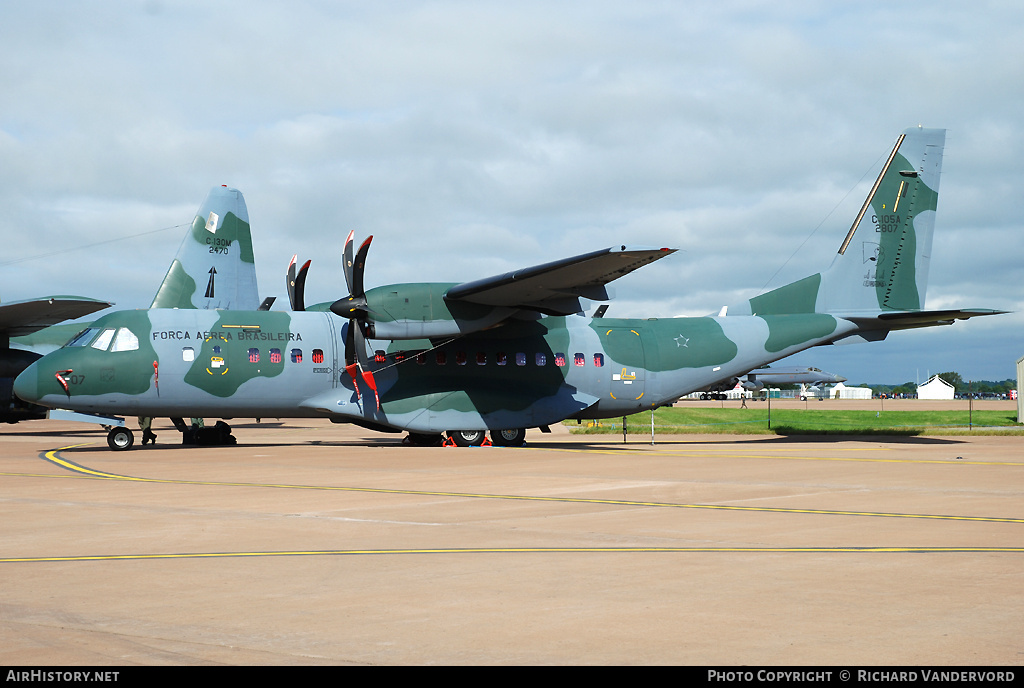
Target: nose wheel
[120,439]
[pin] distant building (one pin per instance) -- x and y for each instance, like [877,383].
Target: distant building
[935,388]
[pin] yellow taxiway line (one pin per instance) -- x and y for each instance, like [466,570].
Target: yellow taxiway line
[54,457]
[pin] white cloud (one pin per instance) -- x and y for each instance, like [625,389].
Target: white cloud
[470,136]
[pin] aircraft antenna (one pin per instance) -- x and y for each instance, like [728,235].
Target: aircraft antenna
[97,243]
[823,221]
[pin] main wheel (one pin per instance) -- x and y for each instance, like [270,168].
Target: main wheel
[467,438]
[508,438]
[120,439]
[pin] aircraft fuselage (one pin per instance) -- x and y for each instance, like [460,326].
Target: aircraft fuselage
[525,373]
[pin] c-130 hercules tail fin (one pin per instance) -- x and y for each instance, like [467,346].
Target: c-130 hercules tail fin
[215,267]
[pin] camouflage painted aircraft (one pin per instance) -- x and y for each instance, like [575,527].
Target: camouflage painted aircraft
[504,353]
[213,269]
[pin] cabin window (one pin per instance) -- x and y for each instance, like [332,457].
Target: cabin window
[318,355]
[580,360]
[520,359]
[83,337]
[125,340]
[442,358]
[599,360]
[188,354]
[421,359]
[541,359]
[379,356]
[254,355]
[460,358]
[481,358]
[275,355]
[296,355]
[560,360]
[500,358]
[103,341]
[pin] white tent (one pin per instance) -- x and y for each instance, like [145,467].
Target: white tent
[841,391]
[935,388]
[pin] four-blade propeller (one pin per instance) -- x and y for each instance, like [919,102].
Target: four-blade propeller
[354,307]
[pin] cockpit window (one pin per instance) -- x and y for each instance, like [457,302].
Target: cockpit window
[84,337]
[125,340]
[103,341]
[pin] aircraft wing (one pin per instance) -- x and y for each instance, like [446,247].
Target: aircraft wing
[18,318]
[555,288]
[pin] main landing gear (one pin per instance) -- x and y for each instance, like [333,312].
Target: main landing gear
[499,438]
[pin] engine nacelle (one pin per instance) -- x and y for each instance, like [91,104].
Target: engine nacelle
[420,311]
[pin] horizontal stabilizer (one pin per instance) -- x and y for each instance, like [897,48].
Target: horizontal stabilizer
[556,287]
[18,318]
[905,320]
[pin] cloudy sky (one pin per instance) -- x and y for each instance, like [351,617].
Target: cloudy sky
[473,137]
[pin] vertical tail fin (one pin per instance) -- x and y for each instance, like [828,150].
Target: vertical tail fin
[215,267]
[883,263]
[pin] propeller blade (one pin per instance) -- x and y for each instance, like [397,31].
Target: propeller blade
[299,295]
[359,266]
[357,362]
[289,281]
[350,344]
[346,260]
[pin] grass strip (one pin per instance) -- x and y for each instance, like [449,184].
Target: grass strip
[755,421]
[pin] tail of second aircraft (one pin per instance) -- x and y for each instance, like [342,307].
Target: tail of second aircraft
[215,267]
[880,275]
[882,264]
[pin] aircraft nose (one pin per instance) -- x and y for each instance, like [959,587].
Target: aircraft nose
[26,385]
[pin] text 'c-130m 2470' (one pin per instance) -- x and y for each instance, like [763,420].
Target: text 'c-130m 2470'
[508,352]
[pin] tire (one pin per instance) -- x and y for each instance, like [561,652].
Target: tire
[120,439]
[508,438]
[467,438]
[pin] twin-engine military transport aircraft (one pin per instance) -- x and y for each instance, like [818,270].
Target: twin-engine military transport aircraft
[504,353]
